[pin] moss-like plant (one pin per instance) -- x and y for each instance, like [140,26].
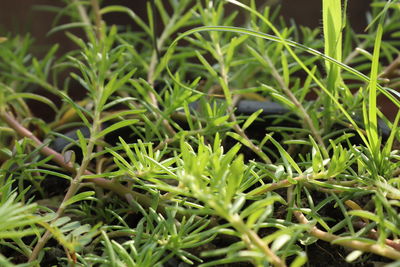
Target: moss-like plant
[163,161]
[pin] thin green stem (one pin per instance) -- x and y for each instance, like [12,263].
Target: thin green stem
[74,186]
[255,240]
[153,65]
[231,103]
[296,102]
[107,184]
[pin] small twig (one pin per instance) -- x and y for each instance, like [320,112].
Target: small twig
[390,71]
[395,84]
[117,188]
[59,159]
[82,13]
[73,187]
[153,9]
[373,234]
[97,15]
[387,252]
[287,182]
[355,52]
[378,249]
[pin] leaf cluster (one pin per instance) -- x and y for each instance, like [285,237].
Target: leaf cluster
[160,165]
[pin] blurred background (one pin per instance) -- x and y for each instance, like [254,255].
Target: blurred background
[23,16]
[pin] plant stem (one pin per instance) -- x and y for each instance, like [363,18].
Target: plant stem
[74,186]
[385,251]
[155,57]
[373,234]
[115,187]
[255,240]
[82,12]
[96,9]
[249,237]
[296,102]
[287,182]
[224,74]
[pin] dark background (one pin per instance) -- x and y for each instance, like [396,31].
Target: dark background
[20,16]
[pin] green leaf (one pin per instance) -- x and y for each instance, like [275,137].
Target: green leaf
[61,221]
[77,108]
[332,20]
[32,96]
[235,41]
[252,211]
[67,26]
[285,155]
[354,255]
[110,250]
[162,12]
[317,159]
[16,216]
[236,176]
[18,233]
[372,122]
[114,84]
[300,260]
[250,145]
[52,173]
[122,114]
[207,65]
[129,12]
[251,118]
[280,241]
[285,70]
[78,197]
[160,166]
[82,142]
[116,126]
[123,254]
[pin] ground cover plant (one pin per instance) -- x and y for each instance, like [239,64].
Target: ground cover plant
[206,142]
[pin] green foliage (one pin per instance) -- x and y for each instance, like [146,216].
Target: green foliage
[162,167]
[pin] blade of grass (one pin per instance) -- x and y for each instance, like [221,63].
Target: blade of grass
[372,124]
[332,20]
